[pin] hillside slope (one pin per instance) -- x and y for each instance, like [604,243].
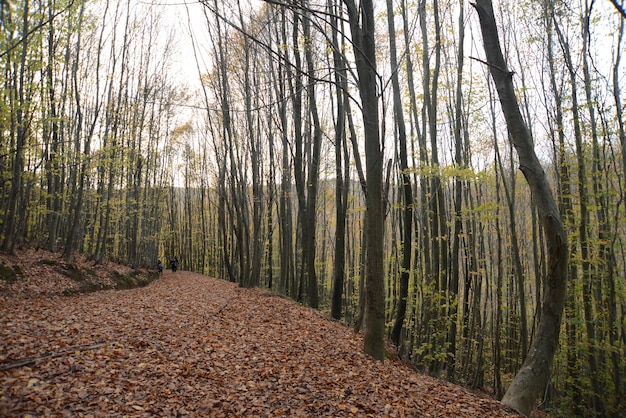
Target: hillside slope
[190,345]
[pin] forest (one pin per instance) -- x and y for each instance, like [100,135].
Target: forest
[446,175]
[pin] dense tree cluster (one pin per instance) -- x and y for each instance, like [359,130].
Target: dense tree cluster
[352,155]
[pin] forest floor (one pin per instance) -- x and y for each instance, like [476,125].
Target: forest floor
[191,345]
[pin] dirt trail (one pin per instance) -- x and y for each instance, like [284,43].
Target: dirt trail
[189,345]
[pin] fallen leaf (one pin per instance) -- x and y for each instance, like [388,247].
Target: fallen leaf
[191,345]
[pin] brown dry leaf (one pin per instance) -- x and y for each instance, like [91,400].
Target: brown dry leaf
[191,345]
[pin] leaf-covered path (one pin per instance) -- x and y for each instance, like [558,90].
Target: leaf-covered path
[189,345]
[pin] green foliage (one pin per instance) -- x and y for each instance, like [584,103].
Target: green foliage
[73,272]
[136,278]
[90,282]
[7,274]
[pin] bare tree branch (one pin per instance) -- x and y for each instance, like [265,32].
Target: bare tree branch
[620,8]
[35,29]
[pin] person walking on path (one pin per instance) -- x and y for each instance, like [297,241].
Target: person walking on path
[174,264]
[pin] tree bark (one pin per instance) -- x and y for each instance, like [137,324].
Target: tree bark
[312,170]
[407,210]
[19,124]
[459,185]
[434,205]
[614,336]
[53,139]
[285,205]
[564,196]
[583,225]
[343,181]
[533,376]
[362,25]
[255,145]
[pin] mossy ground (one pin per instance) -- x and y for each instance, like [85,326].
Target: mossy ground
[36,272]
[7,274]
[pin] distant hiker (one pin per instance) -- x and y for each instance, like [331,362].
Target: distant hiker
[174,264]
[159,266]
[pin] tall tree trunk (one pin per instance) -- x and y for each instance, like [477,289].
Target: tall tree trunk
[497,334]
[78,179]
[515,250]
[223,158]
[583,229]
[566,208]
[438,279]
[271,192]
[604,252]
[343,180]
[78,197]
[407,210]
[296,91]
[287,264]
[362,24]
[20,124]
[532,378]
[112,133]
[461,163]
[613,321]
[55,185]
[312,171]
[256,252]
[423,252]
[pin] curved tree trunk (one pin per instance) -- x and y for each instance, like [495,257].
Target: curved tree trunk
[531,379]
